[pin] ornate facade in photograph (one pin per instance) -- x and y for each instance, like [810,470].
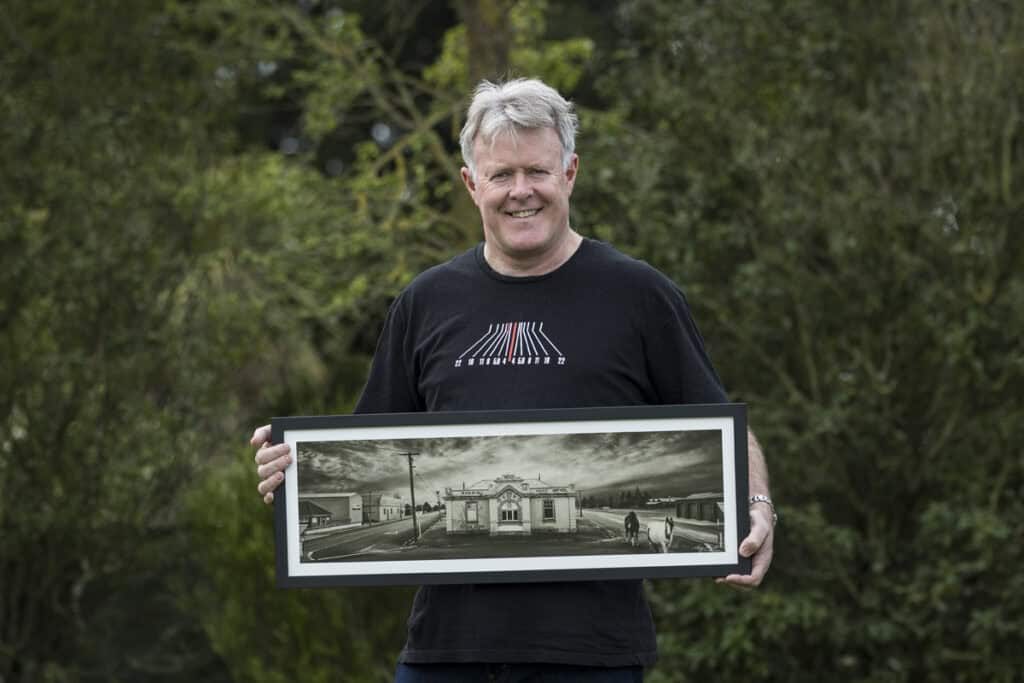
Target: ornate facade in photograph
[511,505]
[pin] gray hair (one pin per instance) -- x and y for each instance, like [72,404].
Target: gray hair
[521,103]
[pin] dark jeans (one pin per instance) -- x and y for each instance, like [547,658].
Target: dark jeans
[515,673]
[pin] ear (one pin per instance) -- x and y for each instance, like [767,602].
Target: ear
[467,180]
[571,170]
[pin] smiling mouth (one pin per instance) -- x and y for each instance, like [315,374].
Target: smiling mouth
[525,213]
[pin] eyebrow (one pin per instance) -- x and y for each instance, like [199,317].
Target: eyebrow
[527,167]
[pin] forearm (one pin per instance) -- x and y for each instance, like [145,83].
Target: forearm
[756,467]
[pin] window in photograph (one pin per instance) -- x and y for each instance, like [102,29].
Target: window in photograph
[509,512]
[508,508]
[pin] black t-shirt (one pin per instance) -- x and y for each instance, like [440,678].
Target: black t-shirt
[603,329]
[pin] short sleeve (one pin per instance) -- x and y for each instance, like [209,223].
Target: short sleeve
[391,386]
[678,363]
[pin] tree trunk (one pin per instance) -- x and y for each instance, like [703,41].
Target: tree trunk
[489,36]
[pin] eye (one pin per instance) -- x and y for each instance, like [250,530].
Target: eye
[538,172]
[500,175]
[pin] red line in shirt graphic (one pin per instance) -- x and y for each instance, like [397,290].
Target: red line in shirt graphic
[511,341]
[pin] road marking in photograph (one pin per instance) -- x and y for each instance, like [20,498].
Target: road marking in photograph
[362,551]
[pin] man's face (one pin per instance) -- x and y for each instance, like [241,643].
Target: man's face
[522,192]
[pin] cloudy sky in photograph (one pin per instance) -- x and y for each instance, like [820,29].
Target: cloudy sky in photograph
[588,461]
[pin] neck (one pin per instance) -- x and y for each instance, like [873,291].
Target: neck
[533,264]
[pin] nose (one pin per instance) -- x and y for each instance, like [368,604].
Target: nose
[521,187]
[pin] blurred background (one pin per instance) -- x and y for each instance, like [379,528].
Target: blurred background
[207,206]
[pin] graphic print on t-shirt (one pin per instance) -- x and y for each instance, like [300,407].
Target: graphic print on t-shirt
[522,342]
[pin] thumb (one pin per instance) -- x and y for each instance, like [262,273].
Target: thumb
[749,546]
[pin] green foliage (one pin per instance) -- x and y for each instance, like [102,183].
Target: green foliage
[559,63]
[94,389]
[835,204]
[269,635]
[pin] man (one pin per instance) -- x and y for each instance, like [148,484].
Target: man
[620,334]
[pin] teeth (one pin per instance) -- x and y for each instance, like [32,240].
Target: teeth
[524,214]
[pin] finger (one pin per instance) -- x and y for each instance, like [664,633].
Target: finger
[759,529]
[752,543]
[740,582]
[268,453]
[758,567]
[260,436]
[734,581]
[273,467]
[268,498]
[270,483]
[272,454]
[756,576]
[763,559]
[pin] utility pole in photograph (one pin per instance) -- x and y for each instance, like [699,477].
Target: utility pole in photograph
[412,494]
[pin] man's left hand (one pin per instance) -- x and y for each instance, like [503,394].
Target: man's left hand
[758,545]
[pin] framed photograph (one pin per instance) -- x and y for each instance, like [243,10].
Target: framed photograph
[512,496]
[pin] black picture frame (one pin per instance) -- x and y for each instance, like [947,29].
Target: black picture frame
[546,501]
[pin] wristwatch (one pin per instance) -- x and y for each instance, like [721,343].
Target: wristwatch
[759,498]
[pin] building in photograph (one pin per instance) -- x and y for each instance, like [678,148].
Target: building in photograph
[381,507]
[511,505]
[312,516]
[704,507]
[663,501]
[342,508]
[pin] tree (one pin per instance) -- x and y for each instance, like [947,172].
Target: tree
[103,406]
[833,189]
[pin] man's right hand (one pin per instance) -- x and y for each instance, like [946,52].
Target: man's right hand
[270,462]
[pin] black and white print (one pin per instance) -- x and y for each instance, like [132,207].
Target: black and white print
[512,495]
